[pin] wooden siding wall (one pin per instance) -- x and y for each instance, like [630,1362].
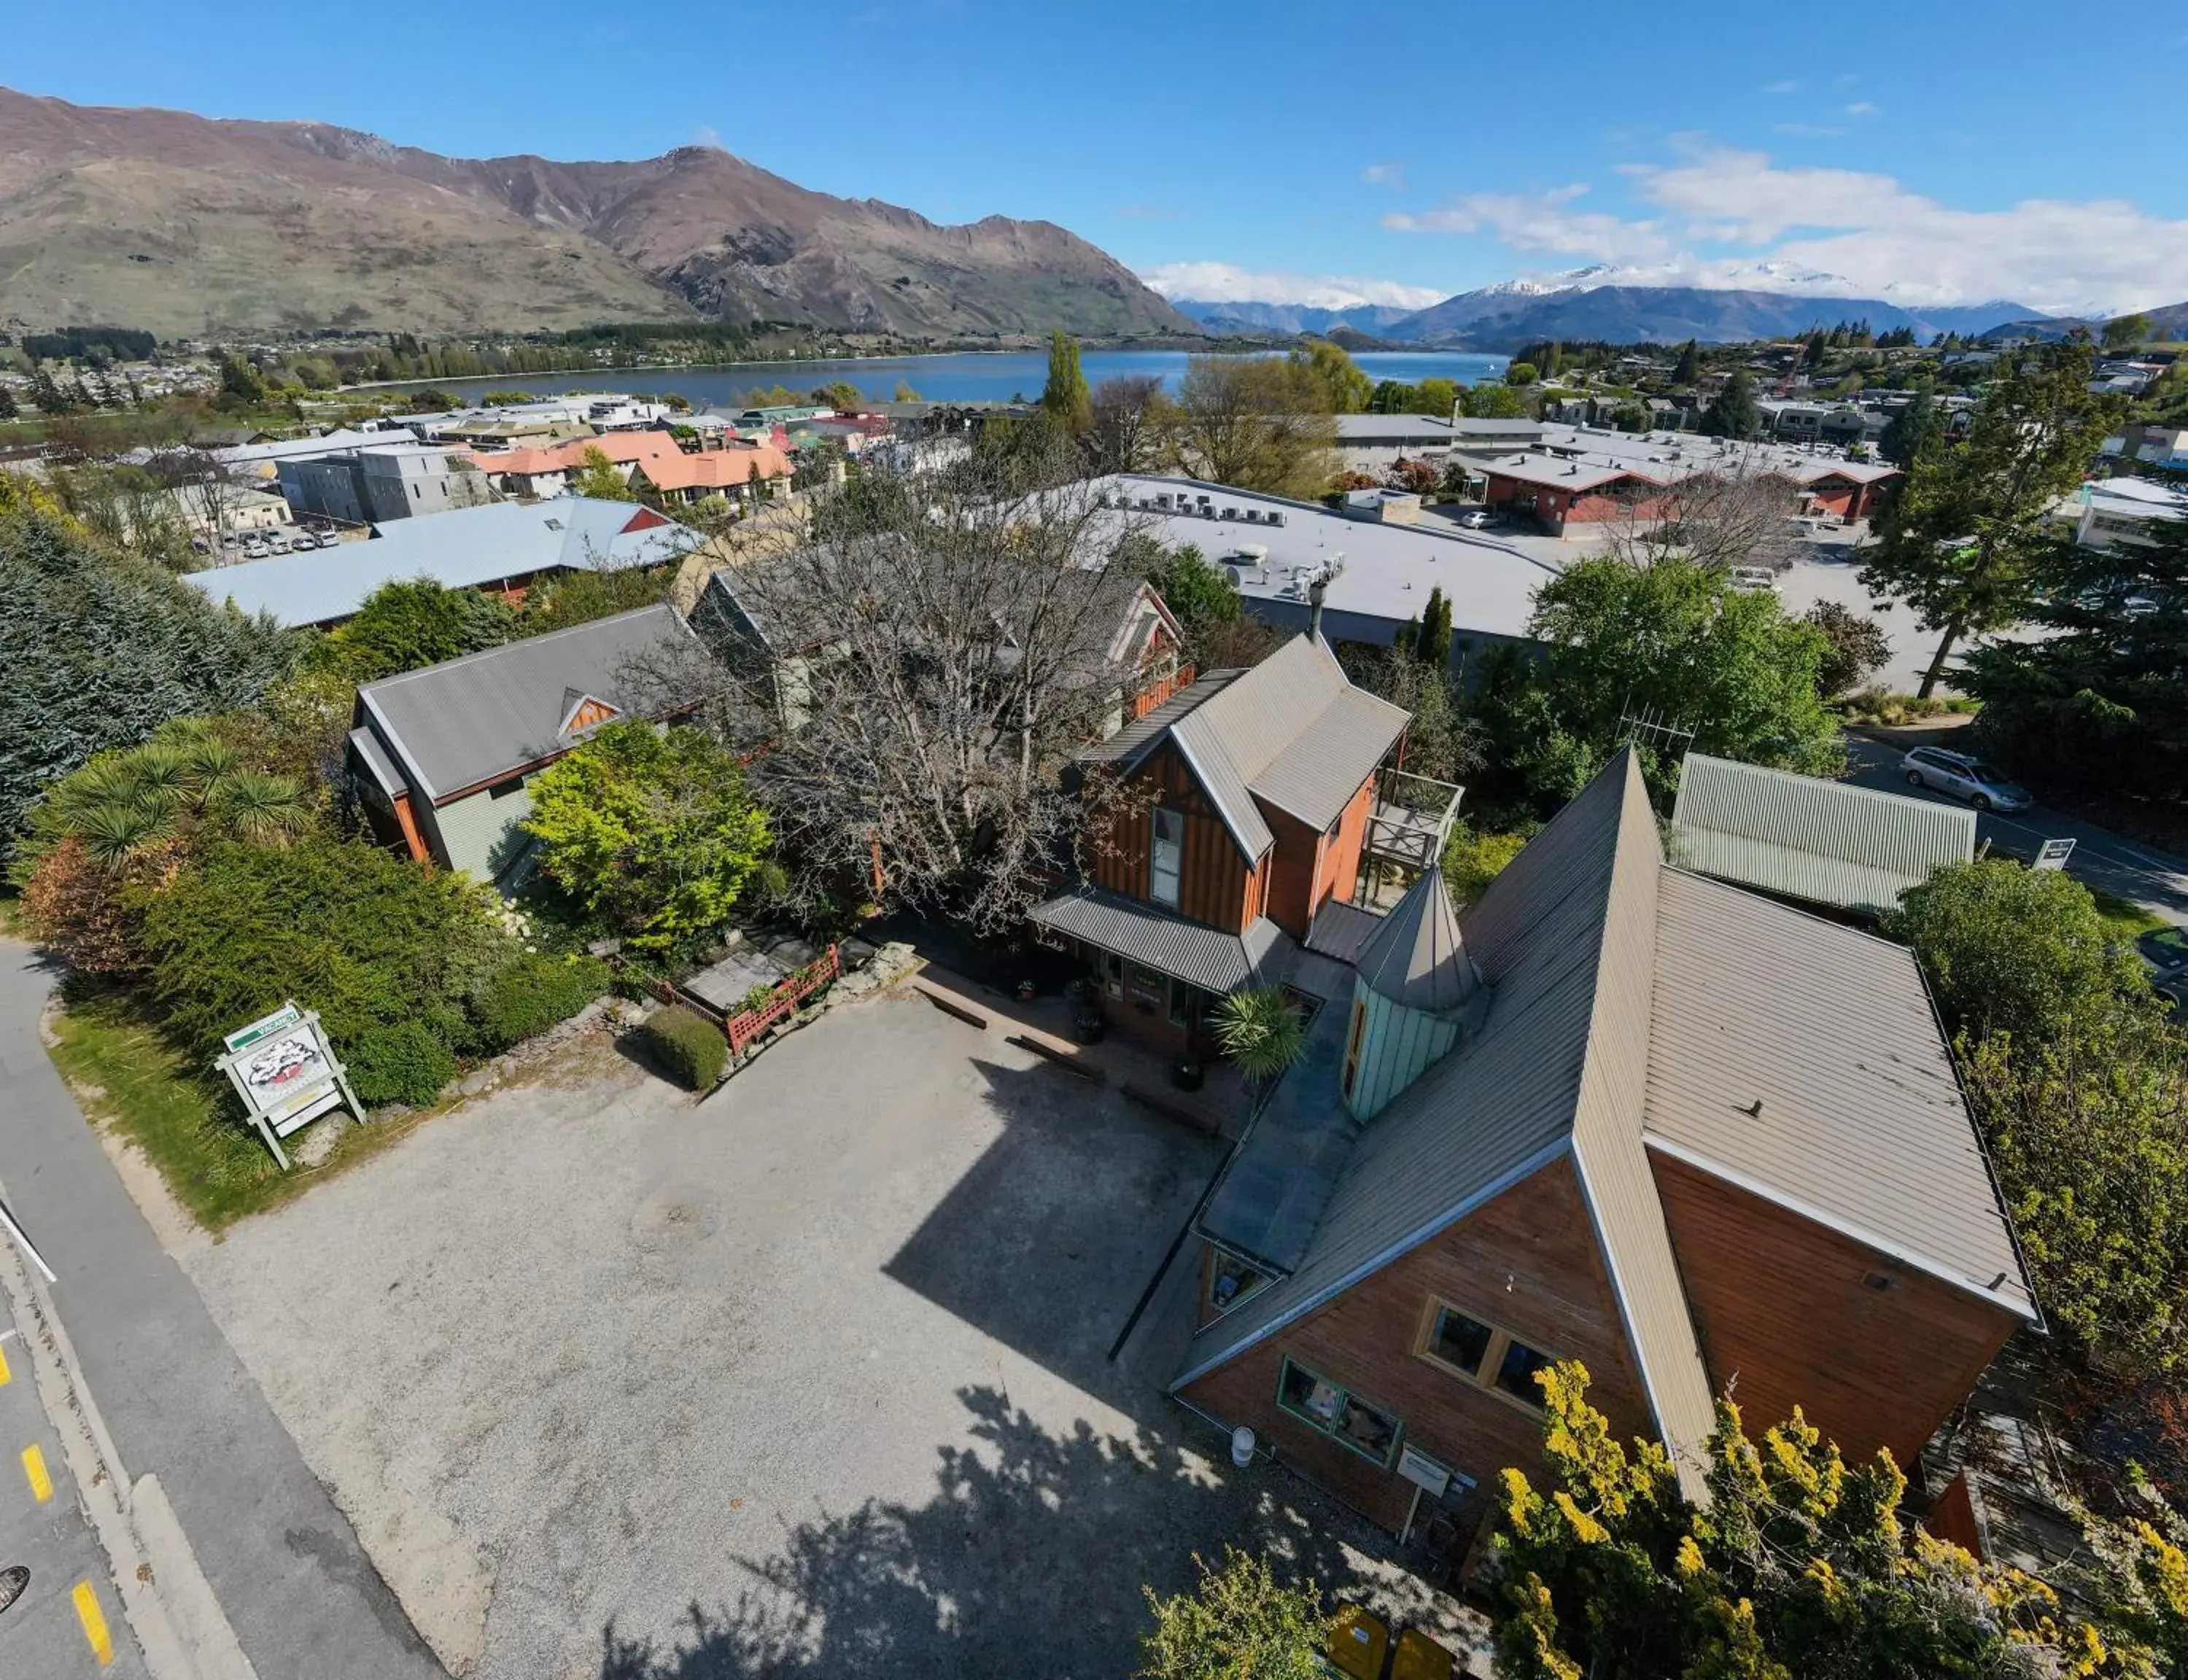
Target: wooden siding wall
[1340,868]
[1295,867]
[1526,1262]
[1215,884]
[1786,1312]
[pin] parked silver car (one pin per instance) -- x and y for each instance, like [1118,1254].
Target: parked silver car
[1964,778]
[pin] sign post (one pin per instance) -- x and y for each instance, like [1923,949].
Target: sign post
[286,1072]
[2053,854]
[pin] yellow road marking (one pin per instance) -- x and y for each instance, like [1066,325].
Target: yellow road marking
[3,1368]
[34,1466]
[94,1623]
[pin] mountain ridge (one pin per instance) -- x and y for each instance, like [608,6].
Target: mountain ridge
[186,224]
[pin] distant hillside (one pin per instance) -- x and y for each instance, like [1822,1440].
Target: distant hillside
[2171,320]
[184,225]
[1503,317]
[1287,317]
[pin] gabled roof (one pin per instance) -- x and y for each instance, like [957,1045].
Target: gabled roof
[1292,732]
[714,468]
[1828,841]
[466,722]
[1416,958]
[1634,1007]
[460,547]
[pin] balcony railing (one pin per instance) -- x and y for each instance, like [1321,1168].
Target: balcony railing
[1412,819]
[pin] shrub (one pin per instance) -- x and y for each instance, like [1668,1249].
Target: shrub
[533,992]
[689,1047]
[404,1062]
[1260,1031]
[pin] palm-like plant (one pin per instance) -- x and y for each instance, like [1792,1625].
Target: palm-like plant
[115,831]
[1260,1031]
[266,810]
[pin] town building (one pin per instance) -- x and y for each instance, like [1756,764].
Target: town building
[1618,1111]
[740,472]
[262,459]
[1800,836]
[2165,447]
[1377,443]
[440,758]
[1375,576]
[502,548]
[376,483]
[2108,513]
[1230,816]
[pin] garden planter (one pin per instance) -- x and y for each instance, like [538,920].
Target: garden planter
[1088,1027]
[1186,1073]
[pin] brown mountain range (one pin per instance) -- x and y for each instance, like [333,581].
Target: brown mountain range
[183,224]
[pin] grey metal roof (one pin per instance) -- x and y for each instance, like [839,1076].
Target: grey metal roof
[1551,942]
[466,721]
[1827,841]
[377,763]
[1863,1126]
[460,547]
[1342,930]
[1416,958]
[1138,738]
[1199,955]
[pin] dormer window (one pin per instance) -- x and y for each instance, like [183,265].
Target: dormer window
[587,712]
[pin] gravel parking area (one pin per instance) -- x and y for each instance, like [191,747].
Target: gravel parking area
[806,1379]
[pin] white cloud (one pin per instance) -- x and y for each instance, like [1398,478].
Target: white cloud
[1782,87]
[1863,108]
[1226,283]
[1390,175]
[1721,217]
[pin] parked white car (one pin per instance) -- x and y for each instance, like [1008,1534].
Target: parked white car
[1474,519]
[1964,778]
[1753,579]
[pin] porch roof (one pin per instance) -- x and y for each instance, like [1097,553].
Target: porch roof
[1200,955]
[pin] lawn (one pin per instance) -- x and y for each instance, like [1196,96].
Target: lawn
[2127,921]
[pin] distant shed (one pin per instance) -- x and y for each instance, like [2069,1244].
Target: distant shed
[1800,836]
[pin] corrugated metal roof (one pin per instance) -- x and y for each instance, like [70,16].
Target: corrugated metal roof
[1862,1125]
[1416,957]
[1200,955]
[377,763]
[1342,930]
[471,720]
[460,547]
[1315,777]
[1827,841]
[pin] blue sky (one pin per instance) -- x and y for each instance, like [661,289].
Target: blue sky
[1925,151]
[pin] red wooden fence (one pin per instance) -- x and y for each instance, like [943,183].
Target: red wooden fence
[782,1002]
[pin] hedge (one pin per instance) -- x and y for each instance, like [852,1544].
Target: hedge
[533,992]
[400,1063]
[689,1047]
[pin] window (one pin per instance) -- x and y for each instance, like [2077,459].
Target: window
[1352,1047]
[1485,1356]
[1167,857]
[1337,1413]
[1232,1280]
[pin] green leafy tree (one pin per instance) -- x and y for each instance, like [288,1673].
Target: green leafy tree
[1432,643]
[1962,540]
[580,597]
[2123,332]
[1673,640]
[1854,646]
[1521,373]
[1065,399]
[1800,1565]
[1915,428]
[1202,595]
[1732,412]
[649,828]
[840,395]
[1688,370]
[1494,401]
[599,477]
[2020,951]
[1260,1031]
[1240,1623]
[1443,741]
[1473,858]
[1344,388]
[2099,701]
[101,650]
[905,393]
[1254,422]
[409,624]
[240,385]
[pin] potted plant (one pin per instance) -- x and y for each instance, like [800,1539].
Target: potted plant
[1186,1073]
[1261,1032]
[1028,990]
[1087,1024]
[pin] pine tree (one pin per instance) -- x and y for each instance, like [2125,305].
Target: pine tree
[1734,413]
[1689,365]
[1910,429]
[1066,399]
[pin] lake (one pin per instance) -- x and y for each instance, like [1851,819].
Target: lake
[962,376]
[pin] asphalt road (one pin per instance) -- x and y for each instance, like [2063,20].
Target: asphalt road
[303,1599]
[2101,858]
[71,1602]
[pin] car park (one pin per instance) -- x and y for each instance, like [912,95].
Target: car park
[1964,777]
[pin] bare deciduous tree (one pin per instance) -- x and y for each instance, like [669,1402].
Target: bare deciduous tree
[912,678]
[1129,416]
[1736,514]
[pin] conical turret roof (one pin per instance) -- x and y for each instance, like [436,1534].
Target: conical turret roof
[1416,958]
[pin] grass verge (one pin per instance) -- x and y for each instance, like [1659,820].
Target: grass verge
[2128,920]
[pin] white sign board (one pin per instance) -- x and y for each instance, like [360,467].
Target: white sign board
[285,1072]
[1424,1472]
[2054,853]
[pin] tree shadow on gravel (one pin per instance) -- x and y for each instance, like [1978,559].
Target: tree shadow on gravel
[1027,1563]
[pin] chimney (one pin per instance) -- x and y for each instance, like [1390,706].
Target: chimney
[1314,607]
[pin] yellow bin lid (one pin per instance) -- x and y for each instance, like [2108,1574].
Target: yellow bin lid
[1420,1658]
[1359,1643]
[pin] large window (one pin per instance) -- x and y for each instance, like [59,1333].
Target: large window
[1231,1280]
[1338,1413]
[1166,859]
[1485,1356]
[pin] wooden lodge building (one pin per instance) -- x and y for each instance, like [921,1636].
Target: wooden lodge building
[1246,804]
[1694,1137]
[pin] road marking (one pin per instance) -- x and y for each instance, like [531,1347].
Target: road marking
[34,1469]
[4,1374]
[94,1623]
